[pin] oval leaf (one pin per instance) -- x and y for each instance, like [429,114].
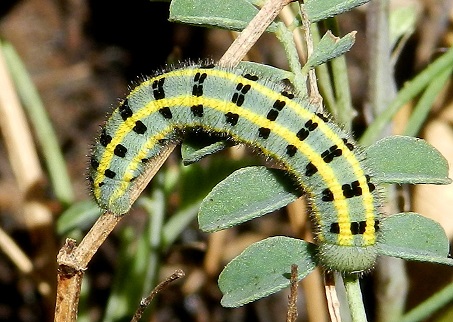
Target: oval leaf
[321,9]
[264,268]
[413,237]
[330,47]
[231,15]
[404,159]
[192,152]
[246,194]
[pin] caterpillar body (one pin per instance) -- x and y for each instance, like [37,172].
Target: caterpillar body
[261,113]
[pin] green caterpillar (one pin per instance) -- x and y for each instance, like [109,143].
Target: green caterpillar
[261,113]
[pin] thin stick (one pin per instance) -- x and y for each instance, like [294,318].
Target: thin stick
[314,95]
[147,301]
[333,304]
[73,259]
[252,32]
[291,315]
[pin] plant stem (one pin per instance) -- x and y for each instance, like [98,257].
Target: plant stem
[408,92]
[425,103]
[431,305]
[354,295]
[42,126]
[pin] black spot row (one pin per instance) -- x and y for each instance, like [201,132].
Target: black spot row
[158,89]
[253,78]
[302,134]
[323,117]
[309,126]
[239,96]
[350,190]
[356,227]
[349,145]
[331,153]
[125,110]
[197,89]
[287,94]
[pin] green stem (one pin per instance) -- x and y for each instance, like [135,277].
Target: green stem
[345,112]
[355,300]
[42,126]
[324,79]
[409,91]
[286,38]
[425,103]
[431,305]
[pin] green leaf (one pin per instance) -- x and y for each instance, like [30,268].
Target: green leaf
[404,159]
[232,15]
[80,215]
[265,268]
[413,237]
[193,152]
[402,22]
[330,47]
[321,9]
[246,194]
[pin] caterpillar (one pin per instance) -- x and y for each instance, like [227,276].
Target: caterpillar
[264,114]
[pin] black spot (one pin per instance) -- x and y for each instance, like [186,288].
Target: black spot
[327,195]
[291,150]
[101,184]
[251,77]
[245,89]
[349,145]
[263,132]
[371,186]
[105,139]
[279,105]
[352,190]
[238,99]
[94,163]
[109,174]
[334,228]
[310,169]
[165,111]
[310,125]
[199,78]
[272,115]
[354,227]
[120,151]
[197,90]
[302,134]
[376,225]
[362,227]
[331,153]
[139,127]
[232,118]
[287,94]
[197,110]
[144,160]
[207,66]
[323,117]
[125,110]
[158,89]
